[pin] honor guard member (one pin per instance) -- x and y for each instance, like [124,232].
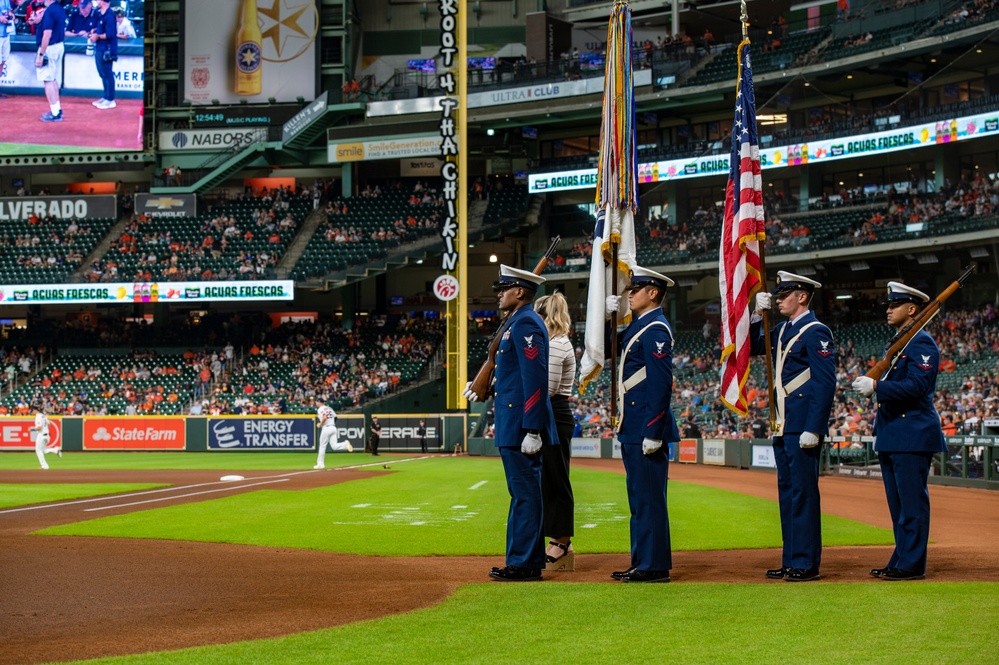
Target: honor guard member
[907,433]
[524,420]
[645,389]
[804,385]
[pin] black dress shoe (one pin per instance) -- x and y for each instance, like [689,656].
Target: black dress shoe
[646,576]
[515,574]
[778,573]
[802,575]
[896,574]
[878,572]
[622,573]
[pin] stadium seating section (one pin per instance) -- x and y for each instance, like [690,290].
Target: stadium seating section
[29,262]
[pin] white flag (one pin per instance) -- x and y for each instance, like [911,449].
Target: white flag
[613,225]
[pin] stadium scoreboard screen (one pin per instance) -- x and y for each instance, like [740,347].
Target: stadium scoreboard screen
[75,66]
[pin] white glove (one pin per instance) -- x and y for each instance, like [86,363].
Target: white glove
[531,444]
[763,302]
[650,446]
[864,385]
[469,393]
[808,440]
[613,304]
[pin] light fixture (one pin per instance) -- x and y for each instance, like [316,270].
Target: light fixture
[806,270]
[807,84]
[859,265]
[490,132]
[933,59]
[688,281]
[979,252]
[840,183]
[927,259]
[844,296]
[493,258]
[860,175]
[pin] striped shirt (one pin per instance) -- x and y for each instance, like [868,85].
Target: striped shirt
[561,366]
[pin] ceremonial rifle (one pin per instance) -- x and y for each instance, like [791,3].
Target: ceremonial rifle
[484,379]
[907,332]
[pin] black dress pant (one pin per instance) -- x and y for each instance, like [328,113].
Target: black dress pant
[556,490]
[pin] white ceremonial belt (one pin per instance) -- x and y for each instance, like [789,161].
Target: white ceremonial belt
[634,379]
[797,382]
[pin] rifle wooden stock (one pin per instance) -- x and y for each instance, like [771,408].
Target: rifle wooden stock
[484,377]
[902,338]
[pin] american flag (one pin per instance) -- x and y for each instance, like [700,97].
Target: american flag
[742,231]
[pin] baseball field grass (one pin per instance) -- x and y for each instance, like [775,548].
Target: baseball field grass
[818,624]
[454,506]
[457,506]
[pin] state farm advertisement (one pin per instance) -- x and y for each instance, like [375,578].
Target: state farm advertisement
[15,433]
[128,433]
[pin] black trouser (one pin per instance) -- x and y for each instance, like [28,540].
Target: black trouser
[106,71]
[374,443]
[423,445]
[556,490]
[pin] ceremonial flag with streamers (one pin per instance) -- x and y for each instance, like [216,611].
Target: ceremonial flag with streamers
[617,194]
[743,230]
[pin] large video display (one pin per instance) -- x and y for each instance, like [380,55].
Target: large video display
[74,76]
[251,50]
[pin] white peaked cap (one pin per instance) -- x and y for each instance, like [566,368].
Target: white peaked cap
[510,277]
[788,281]
[898,292]
[640,275]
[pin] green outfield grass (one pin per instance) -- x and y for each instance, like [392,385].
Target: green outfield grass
[222,461]
[455,506]
[874,623]
[25,495]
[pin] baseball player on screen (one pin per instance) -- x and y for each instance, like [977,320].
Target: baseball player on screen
[327,436]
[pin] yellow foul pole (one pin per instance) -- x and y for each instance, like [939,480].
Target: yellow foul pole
[457,308]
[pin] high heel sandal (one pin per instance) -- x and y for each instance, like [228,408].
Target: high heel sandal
[565,562]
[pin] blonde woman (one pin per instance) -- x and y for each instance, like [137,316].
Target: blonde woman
[556,491]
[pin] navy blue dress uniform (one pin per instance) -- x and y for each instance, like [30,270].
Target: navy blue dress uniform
[522,406]
[907,434]
[645,390]
[804,386]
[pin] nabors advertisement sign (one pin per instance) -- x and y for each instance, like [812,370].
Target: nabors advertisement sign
[15,433]
[134,434]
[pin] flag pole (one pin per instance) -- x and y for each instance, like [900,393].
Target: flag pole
[613,342]
[744,19]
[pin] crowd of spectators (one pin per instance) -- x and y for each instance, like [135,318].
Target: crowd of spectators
[422,212]
[970,197]
[289,369]
[963,337]
[298,366]
[152,252]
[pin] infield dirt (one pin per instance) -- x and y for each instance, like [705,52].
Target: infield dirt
[69,598]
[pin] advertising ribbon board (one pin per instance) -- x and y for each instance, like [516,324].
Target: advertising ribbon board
[134,433]
[132,292]
[262,433]
[399,432]
[15,433]
[58,207]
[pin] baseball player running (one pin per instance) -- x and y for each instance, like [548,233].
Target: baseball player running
[327,436]
[42,439]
